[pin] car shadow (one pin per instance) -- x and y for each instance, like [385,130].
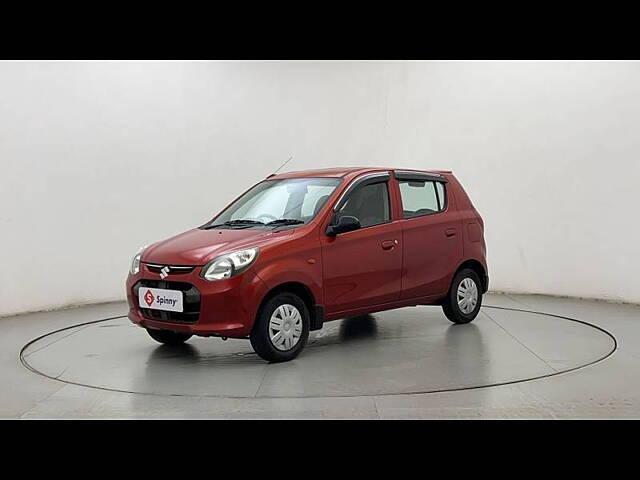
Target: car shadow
[358,328]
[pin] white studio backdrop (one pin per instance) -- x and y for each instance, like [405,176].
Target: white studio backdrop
[98,158]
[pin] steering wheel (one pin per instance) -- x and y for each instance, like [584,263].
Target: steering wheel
[266,215]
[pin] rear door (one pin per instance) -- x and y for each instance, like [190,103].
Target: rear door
[362,268]
[432,234]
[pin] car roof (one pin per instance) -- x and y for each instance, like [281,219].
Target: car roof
[345,171]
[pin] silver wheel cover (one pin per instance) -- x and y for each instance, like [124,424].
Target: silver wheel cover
[467,296]
[285,327]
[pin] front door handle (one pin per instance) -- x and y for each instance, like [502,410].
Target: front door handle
[450,232]
[389,244]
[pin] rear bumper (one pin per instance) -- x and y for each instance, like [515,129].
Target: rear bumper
[485,284]
[226,308]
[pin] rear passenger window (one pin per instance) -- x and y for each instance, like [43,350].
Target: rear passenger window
[421,197]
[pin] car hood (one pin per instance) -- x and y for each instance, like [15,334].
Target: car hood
[197,247]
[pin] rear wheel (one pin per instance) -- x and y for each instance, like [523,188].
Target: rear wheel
[464,300]
[282,328]
[168,337]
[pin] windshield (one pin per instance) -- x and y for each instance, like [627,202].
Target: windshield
[290,201]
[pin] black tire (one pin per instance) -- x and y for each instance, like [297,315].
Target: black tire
[168,337]
[260,337]
[450,304]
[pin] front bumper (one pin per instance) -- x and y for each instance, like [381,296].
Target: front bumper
[224,308]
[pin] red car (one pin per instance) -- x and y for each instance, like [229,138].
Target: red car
[303,248]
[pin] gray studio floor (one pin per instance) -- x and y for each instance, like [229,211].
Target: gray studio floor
[408,363]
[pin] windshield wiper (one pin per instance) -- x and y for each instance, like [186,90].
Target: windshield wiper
[243,222]
[285,221]
[236,223]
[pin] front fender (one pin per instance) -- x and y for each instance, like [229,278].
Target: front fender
[307,271]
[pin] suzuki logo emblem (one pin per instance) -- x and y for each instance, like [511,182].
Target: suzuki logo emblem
[164,272]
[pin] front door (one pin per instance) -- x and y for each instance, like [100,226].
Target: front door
[362,268]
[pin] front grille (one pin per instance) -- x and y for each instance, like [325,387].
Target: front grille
[173,269]
[190,302]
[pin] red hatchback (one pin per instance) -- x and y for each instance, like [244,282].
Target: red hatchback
[303,248]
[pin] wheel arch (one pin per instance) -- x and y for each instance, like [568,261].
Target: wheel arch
[477,267]
[316,312]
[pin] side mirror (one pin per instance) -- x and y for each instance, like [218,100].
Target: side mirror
[345,224]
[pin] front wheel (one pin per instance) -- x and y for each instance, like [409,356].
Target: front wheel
[282,328]
[168,337]
[464,300]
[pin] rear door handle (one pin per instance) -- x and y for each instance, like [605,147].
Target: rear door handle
[389,244]
[450,232]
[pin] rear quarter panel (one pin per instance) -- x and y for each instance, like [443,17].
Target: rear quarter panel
[474,247]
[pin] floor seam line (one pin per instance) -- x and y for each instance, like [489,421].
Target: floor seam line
[37,404]
[255,395]
[375,407]
[56,341]
[517,301]
[517,340]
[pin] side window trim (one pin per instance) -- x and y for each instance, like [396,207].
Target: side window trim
[361,181]
[445,197]
[404,175]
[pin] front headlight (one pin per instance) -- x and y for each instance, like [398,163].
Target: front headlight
[226,266]
[135,263]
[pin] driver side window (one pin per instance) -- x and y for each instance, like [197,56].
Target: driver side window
[369,204]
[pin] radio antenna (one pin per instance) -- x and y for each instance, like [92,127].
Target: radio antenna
[281,166]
